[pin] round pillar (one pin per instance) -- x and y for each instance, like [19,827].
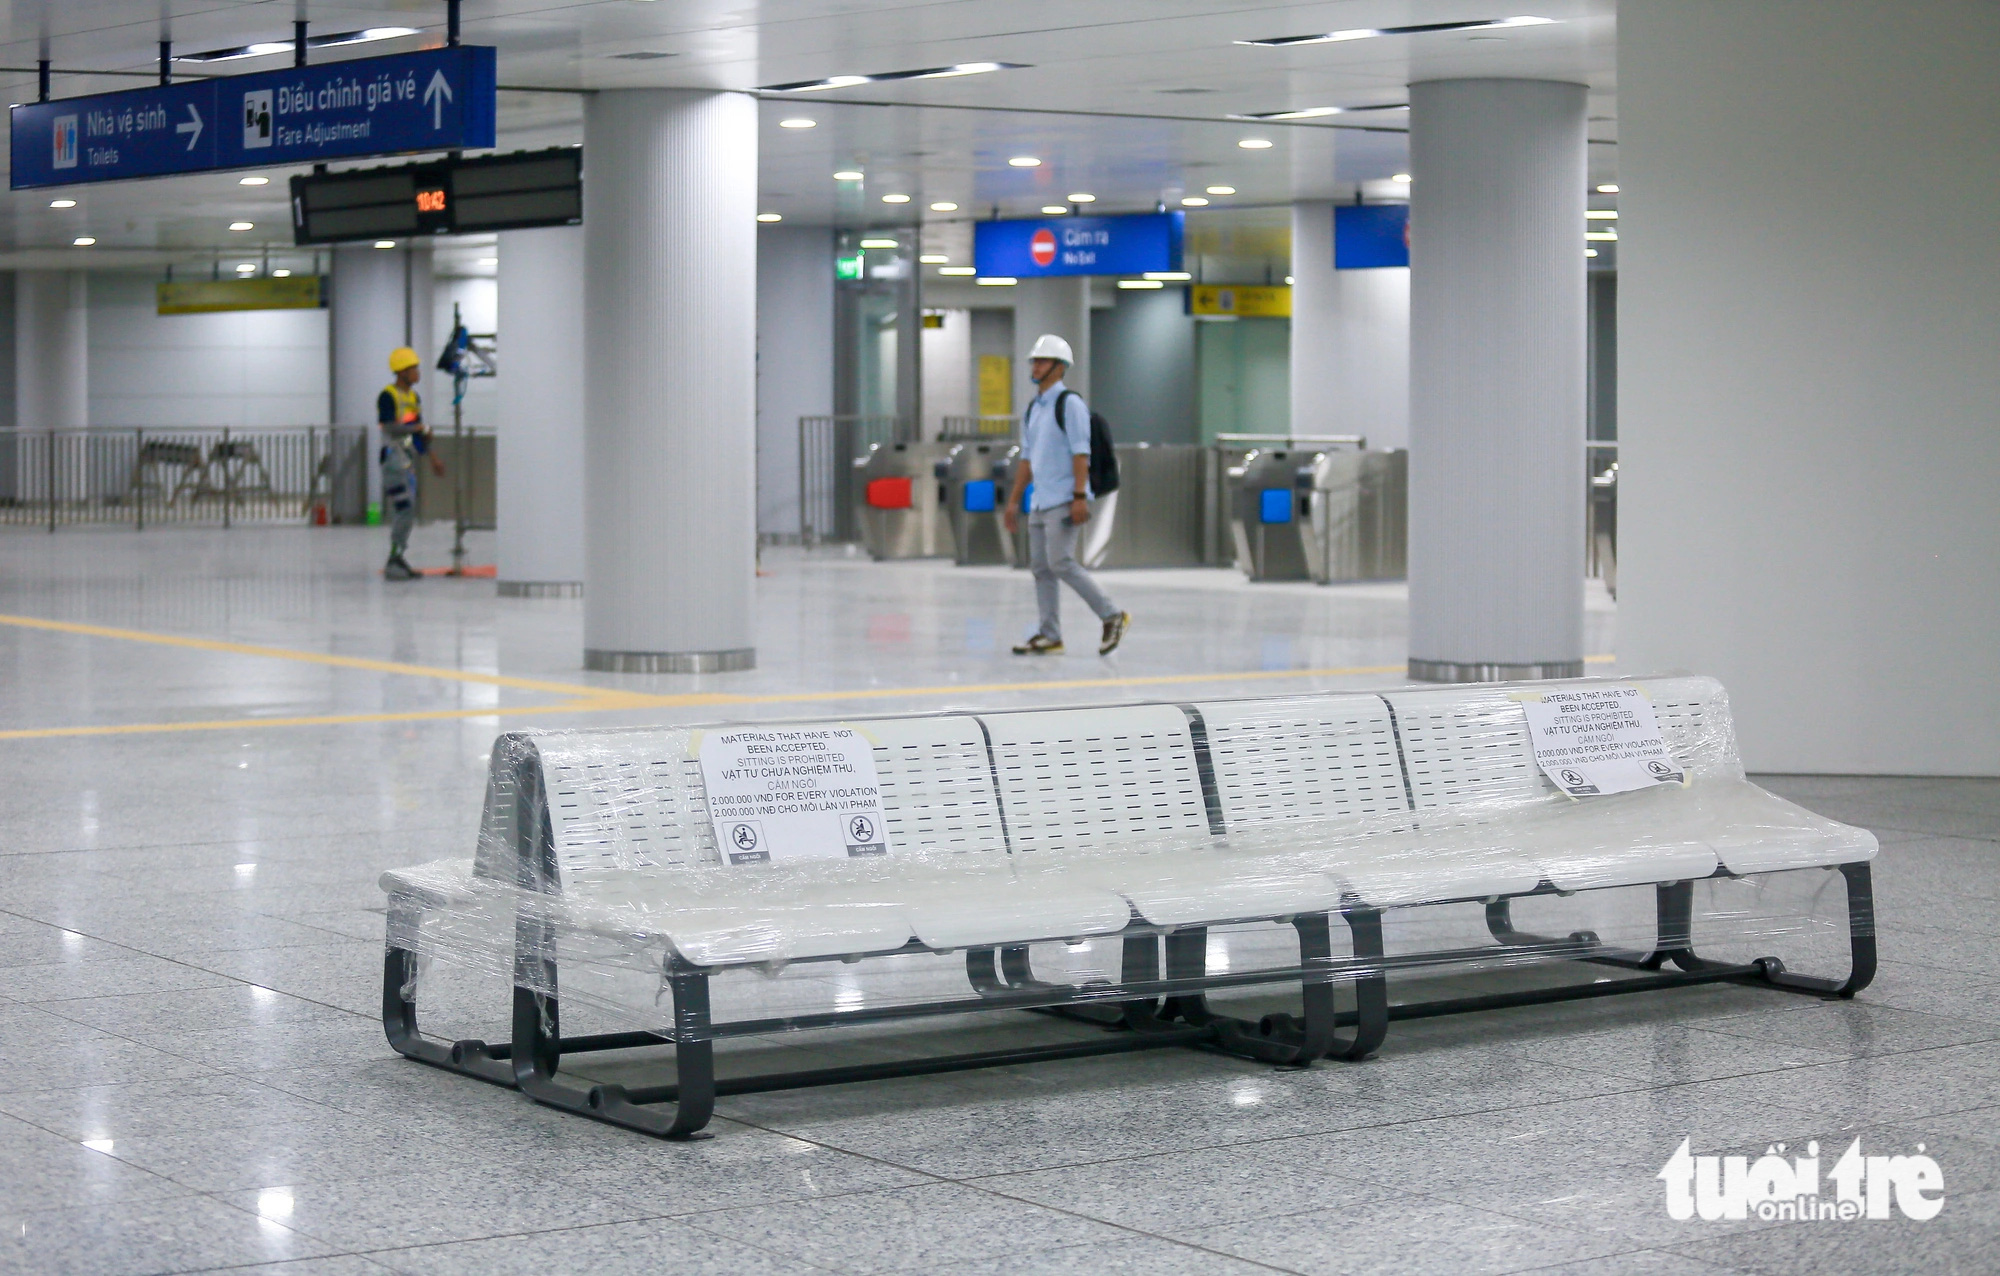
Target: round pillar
[1496,380]
[670,268]
[539,468]
[51,350]
[1059,304]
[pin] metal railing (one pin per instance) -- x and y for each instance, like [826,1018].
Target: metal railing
[828,446]
[977,427]
[143,477]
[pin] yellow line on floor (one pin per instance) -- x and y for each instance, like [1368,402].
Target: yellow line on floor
[587,699]
[308,657]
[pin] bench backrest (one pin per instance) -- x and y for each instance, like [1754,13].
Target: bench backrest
[1021,782]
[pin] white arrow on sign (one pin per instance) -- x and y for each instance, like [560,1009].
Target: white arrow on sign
[192,127]
[436,96]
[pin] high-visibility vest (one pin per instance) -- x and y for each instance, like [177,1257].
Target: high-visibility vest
[409,408]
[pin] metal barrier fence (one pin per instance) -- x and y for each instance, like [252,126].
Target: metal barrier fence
[143,477]
[827,448]
[977,427]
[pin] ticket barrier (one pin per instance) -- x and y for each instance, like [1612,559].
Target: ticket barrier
[975,481]
[1154,519]
[901,500]
[1356,516]
[1269,494]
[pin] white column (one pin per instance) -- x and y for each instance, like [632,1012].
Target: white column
[51,350]
[539,441]
[1496,379]
[1060,305]
[1808,453]
[794,360]
[670,264]
[370,318]
[1350,363]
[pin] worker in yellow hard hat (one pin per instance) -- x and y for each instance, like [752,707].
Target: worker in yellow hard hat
[401,415]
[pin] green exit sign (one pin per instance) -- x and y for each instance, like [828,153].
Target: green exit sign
[847,266]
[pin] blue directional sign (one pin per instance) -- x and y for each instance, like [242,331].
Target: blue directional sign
[1078,245]
[1369,236]
[437,99]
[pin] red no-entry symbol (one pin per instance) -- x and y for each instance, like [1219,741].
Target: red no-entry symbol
[1043,247]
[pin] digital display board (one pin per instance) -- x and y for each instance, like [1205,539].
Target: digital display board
[443,197]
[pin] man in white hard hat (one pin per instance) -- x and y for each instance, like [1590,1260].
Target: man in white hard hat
[1054,470]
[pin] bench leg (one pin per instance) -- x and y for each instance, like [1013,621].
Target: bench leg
[472,1057]
[1771,971]
[538,1055]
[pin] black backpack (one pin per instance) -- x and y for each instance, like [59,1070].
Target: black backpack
[1103,457]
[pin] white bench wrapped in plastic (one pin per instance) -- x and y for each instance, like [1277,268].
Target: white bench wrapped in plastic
[1125,833]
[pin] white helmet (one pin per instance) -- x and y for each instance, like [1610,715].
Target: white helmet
[1050,346]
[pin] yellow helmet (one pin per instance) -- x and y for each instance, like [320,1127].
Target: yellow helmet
[403,357]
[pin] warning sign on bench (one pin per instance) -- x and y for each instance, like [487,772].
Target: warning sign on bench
[809,793]
[1600,740]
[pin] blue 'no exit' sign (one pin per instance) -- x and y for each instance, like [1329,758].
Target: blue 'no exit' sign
[433,100]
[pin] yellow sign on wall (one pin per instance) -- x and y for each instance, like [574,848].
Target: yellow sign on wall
[207,296]
[1260,301]
[996,385]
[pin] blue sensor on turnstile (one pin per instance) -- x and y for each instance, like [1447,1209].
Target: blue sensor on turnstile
[1274,505]
[979,496]
[1027,494]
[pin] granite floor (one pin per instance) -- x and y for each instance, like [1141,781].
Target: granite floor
[223,738]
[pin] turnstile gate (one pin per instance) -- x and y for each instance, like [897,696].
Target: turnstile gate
[975,479]
[900,498]
[1356,516]
[1269,492]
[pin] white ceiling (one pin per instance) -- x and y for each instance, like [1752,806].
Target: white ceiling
[1100,100]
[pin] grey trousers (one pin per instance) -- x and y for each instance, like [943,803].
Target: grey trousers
[1052,558]
[399,493]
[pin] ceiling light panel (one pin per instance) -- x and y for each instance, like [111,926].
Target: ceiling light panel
[1370,33]
[890,77]
[271,48]
[1318,112]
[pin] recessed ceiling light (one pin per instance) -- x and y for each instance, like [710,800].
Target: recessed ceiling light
[270,48]
[1024,161]
[1171,276]
[242,225]
[895,199]
[770,217]
[933,259]
[1054,210]
[944,206]
[62,203]
[489,261]
[926,73]
[385,243]
[997,281]
[1288,281]
[957,270]
[1600,234]
[245,267]
[1601,214]
[847,175]
[1590,252]
[253,181]
[1140,283]
[1404,178]
[1255,143]
[281,274]
[1194,201]
[1369,33]
[880,243]
[1082,197]
[84,241]
[798,123]
[1609,188]
[1222,190]
[1317,112]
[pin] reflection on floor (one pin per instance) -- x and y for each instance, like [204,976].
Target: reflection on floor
[190,943]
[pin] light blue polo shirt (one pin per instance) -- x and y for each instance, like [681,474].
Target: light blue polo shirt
[1048,446]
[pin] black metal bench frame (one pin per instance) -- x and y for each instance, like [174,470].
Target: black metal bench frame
[1147,1008]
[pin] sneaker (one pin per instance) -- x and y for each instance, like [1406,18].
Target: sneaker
[397,569]
[1114,632]
[1039,646]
